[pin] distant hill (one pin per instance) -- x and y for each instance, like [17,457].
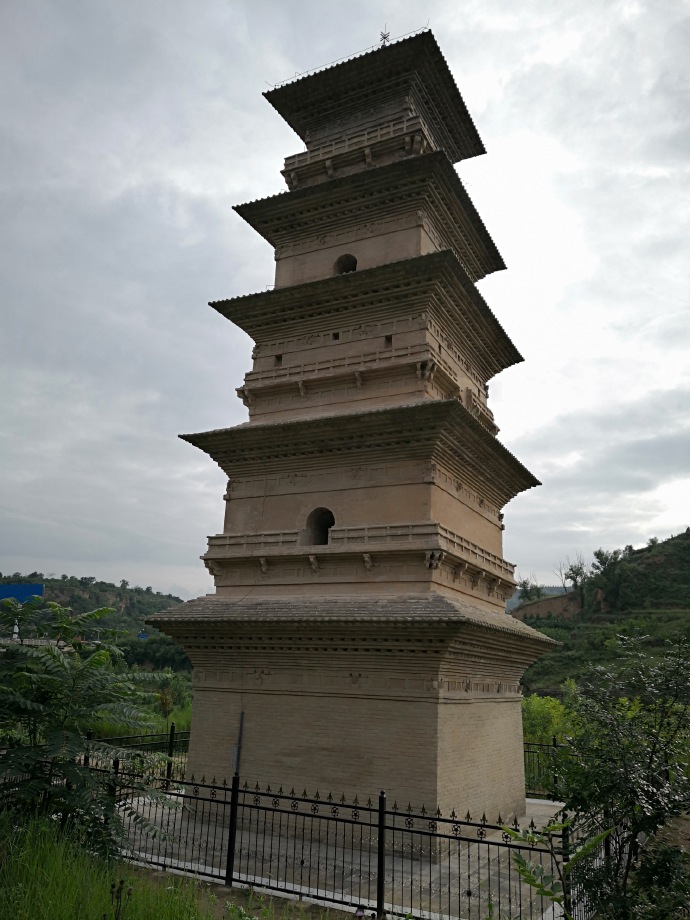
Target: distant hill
[643,592]
[131,604]
[131,607]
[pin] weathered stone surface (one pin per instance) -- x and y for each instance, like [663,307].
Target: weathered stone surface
[358,632]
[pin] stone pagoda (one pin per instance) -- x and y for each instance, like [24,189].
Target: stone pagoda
[357,638]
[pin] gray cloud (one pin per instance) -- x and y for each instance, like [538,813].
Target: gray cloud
[129,133]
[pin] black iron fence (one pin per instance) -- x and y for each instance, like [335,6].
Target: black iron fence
[540,768]
[173,745]
[366,855]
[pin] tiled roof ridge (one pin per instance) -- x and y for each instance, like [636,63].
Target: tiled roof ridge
[417,265]
[437,406]
[436,158]
[357,56]
[353,179]
[422,608]
[415,53]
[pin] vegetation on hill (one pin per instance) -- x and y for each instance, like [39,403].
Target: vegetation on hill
[129,607]
[529,589]
[628,592]
[622,776]
[54,691]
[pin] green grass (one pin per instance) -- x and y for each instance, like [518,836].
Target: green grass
[48,875]
[45,875]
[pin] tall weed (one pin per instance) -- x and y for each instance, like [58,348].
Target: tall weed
[46,874]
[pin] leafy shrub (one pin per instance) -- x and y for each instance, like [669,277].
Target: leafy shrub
[543,718]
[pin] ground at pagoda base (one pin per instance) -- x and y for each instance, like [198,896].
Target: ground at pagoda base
[461,881]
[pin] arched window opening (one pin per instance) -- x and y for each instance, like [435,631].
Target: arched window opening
[346,263]
[318,525]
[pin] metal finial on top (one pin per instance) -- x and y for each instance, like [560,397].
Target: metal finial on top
[385,36]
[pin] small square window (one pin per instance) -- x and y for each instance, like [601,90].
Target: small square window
[278,360]
[335,336]
[388,341]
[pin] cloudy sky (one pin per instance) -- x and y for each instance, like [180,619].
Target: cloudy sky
[130,129]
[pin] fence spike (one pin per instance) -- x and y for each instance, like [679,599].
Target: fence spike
[370,804]
[438,811]
[330,797]
[280,791]
[516,824]
[532,825]
[355,801]
[453,815]
[423,812]
[317,796]
[483,818]
[292,792]
[268,788]
[203,779]
[213,781]
[500,819]
[246,785]
[395,805]
[468,816]
[409,808]
[192,780]
[343,800]
[225,782]
[257,788]
[304,793]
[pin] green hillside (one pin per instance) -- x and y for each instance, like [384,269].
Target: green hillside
[644,592]
[131,606]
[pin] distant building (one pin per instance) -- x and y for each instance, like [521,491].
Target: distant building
[558,606]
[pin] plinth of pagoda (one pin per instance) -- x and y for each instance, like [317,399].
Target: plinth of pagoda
[417,694]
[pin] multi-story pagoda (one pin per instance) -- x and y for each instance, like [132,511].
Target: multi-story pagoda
[358,637]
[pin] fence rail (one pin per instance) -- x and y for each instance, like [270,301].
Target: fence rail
[363,855]
[358,855]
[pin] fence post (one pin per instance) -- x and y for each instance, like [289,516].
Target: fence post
[607,839]
[565,849]
[232,832]
[171,748]
[381,860]
[112,787]
[89,736]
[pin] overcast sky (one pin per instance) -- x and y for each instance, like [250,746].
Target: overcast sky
[130,129]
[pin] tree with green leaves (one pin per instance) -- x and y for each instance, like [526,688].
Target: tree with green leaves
[530,589]
[625,770]
[543,719]
[53,688]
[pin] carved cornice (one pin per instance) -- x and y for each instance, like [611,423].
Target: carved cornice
[435,282]
[426,186]
[441,430]
[411,626]
[412,67]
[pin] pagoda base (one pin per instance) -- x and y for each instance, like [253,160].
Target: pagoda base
[416,695]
